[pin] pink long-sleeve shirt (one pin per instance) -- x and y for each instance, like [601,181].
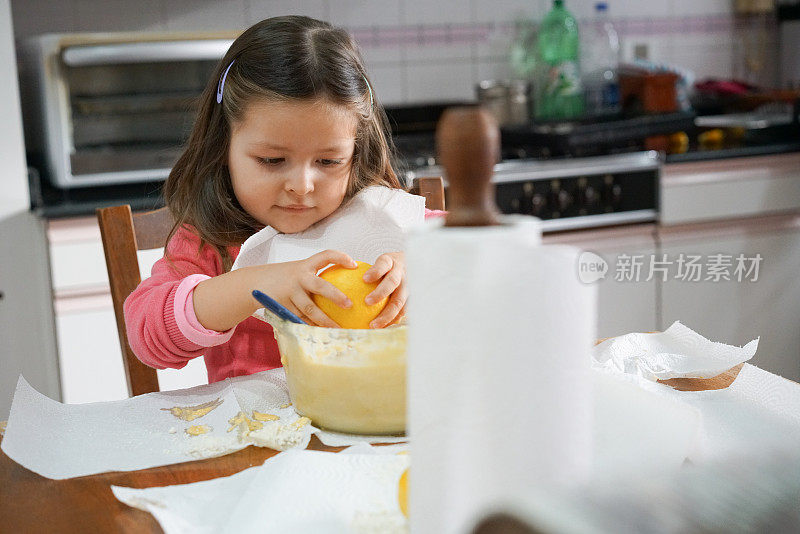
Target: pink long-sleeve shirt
[164,332]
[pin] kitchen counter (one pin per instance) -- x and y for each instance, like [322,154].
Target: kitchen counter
[735,152]
[53,203]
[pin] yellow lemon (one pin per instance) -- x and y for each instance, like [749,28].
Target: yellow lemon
[402,493]
[351,283]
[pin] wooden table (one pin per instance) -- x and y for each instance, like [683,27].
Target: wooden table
[33,503]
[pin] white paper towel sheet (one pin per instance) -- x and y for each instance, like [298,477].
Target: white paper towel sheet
[677,352]
[67,440]
[294,492]
[370,224]
[636,432]
[758,411]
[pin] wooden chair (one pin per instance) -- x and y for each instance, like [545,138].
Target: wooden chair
[125,233]
[432,188]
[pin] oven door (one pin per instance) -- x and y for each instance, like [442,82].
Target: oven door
[117,112]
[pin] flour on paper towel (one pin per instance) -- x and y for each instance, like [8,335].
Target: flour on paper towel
[383,522]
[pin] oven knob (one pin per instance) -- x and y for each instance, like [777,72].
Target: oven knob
[527,188]
[538,203]
[559,200]
[563,200]
[612,195]
[616,195]
[588,197]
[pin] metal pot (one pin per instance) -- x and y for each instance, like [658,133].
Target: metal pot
[508,101]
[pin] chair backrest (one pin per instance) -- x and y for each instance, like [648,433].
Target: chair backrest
[123,234]
[432,188]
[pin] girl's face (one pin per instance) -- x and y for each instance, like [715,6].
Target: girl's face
[290,161]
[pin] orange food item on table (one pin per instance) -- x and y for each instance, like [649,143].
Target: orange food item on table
[402,493]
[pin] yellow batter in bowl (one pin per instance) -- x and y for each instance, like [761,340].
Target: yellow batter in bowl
[345,380]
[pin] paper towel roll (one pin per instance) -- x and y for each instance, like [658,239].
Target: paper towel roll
[500,329]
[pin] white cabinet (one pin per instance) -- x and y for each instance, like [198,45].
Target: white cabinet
[624,304]
[91,362]
[724,210]
[730,188]
[27,331]
[736,311]
[90,358]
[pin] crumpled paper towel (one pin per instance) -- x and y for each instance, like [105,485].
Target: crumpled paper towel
[678,352]
[366,226]
[758,412]
[68,440]
[296,491]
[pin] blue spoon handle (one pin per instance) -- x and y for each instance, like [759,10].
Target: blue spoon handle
[276,308]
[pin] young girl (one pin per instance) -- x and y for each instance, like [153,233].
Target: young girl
[288,129]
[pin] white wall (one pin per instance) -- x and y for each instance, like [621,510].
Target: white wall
[422,50]
[13,190]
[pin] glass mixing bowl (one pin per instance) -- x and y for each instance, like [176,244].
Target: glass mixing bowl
[345,380]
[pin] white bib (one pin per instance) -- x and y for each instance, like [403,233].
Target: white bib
[369,224]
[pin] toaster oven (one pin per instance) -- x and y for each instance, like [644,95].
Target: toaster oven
[114,108]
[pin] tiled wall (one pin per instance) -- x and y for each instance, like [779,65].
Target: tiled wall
[423,50]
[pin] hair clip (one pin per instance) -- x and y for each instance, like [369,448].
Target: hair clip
[371,101]
[221,84]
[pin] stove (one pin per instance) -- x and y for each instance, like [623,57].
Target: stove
[572,175]
[575,193]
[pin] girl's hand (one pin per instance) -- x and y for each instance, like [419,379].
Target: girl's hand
[297,280]
[391,268]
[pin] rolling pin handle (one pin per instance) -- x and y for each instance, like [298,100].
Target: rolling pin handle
[468,147]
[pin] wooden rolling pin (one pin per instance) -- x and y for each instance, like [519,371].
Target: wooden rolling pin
[468,146]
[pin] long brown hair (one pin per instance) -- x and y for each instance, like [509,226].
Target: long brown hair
[280,58]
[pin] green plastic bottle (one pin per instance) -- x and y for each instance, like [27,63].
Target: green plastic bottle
[558,93]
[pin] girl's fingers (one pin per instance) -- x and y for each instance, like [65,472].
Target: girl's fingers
[400,316]
[393,308]
[386,287]
[317,285]
[292,308]
[382,265]
[309,310]
[327,257]
[304,318]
